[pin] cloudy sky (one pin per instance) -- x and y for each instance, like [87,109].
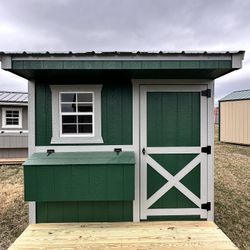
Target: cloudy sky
[127,25]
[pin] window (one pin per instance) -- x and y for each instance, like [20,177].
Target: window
[11,117]
[76,114]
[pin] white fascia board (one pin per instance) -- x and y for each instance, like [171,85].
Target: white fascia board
[13,104]
[6,62]
[237,61]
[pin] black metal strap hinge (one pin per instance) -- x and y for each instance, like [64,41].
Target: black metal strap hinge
[206,150]
[206,206]
[206,92]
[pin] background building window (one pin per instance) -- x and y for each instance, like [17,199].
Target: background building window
[12,118]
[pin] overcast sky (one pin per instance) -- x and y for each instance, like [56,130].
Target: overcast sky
[127,25]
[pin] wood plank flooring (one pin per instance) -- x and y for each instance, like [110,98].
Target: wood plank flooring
[181,235]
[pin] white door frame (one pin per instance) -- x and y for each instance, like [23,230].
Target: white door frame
[202,157]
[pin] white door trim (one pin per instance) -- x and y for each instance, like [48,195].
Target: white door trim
[146,203]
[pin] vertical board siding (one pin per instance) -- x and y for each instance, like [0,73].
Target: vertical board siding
[43,114]
[13,140]
[85,211]
[235,122]
[13,153]
[173,119]
[79,183]
[116,113]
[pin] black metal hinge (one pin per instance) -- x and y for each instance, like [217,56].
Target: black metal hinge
[206,206]
[50,151]
[206,93]
[118,150]
[144,151]
[206,150]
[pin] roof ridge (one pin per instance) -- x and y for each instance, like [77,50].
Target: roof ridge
[242,90]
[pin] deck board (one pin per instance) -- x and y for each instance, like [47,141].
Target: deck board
[182,235]
[12,161]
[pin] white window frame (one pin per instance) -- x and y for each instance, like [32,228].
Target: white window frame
[57,136]
[20,122]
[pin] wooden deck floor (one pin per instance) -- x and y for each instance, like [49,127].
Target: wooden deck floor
[141,236]
[12,161]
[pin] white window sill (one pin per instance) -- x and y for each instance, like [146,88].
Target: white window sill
[76,140]
[11,126]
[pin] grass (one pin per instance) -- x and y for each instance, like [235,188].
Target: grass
[232,198]
[232,191]
[13,210]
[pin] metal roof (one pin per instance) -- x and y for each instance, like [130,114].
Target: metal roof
[13,97]
[237,95]
[120,53]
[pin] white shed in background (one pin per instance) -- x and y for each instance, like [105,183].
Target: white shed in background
[234,125]
[13,125]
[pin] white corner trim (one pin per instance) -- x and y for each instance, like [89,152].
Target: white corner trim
[20,120]
[210,158]
[31,140]
[56,124]
[32,212]
[136,144]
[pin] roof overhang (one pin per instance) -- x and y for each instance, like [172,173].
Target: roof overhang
[160,65]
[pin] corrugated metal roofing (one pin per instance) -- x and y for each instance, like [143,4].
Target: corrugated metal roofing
[237,95]
[13,97]
[121,53]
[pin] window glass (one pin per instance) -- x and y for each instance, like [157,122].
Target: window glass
[85,97]
[68,97]
[12,117]
[76,113]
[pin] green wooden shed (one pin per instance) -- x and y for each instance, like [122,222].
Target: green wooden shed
[120,136]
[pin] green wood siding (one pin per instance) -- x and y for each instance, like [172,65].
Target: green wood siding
[84,211]
[120,64]
[173,119]
[107,178]
[173,164]
[116,113]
